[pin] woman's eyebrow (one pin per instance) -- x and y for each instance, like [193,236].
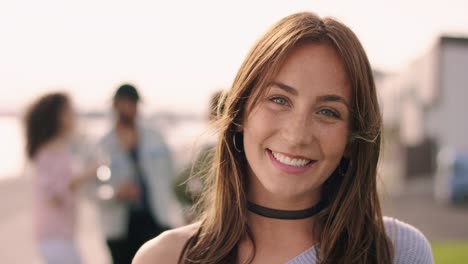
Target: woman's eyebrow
[285,87]
[333,98]
[322,98]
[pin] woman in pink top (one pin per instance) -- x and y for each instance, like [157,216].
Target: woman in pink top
[49,123]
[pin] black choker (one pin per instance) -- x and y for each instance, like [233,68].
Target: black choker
[286,214]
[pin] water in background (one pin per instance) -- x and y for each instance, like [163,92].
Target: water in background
[11,147]
[180,136]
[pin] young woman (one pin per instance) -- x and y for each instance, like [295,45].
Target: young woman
[294,173]
[49,123]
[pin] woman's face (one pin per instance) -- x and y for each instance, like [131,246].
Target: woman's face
[67,119]
[295,137]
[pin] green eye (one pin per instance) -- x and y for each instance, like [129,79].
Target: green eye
[329,113]
[279,100]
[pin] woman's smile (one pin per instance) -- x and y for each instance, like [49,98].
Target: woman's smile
[291,164]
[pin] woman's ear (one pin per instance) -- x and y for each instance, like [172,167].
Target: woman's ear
[238,128]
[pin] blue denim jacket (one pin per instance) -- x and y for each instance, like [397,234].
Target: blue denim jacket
[157,166]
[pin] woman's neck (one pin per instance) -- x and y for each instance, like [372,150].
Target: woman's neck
[294,236]
[57,143]
[278,229]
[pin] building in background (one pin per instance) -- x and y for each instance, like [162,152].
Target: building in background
[425,109]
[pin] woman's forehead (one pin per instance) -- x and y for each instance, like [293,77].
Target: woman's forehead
[313,65]
[309,69]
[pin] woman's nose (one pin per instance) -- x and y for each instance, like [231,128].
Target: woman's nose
[299,130]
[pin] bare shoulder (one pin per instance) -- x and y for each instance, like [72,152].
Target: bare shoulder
[165,248]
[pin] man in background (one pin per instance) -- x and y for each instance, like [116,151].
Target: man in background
[141,171]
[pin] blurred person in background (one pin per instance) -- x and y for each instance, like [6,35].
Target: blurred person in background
[451,177]
[143,204]
[294,176]
[189,181]
[49,123]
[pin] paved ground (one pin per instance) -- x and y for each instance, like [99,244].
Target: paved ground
[16,241]
[415,206]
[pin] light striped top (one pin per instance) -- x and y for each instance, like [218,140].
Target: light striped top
[411,246]
[55,170]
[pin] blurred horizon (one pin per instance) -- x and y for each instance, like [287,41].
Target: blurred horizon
[177,53]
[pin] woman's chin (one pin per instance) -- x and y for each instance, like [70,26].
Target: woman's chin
[280,187]
[287,191]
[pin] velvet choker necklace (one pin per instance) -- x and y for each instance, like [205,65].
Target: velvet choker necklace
[286,214]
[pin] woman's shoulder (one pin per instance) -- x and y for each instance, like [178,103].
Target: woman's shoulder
[52,156]
[410,244]
[165,248]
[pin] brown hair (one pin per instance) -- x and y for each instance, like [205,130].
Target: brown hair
[353,229]
[216,104]
[42,121]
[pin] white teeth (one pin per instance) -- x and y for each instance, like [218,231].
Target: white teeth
[290,161]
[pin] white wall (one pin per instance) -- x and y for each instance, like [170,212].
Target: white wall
[447,120]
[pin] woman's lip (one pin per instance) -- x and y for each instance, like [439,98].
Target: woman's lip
[288,168]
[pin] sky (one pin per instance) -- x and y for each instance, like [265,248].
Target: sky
[178,52]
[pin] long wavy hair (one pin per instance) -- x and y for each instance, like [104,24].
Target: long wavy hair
[42,121]
[352,224]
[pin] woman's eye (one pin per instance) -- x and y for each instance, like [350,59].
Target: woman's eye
[279,100]
[329,113]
